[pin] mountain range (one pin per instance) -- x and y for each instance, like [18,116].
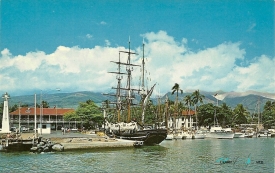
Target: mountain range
[249,99]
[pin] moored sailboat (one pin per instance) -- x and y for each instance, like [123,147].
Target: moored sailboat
[132,129]
[217,131]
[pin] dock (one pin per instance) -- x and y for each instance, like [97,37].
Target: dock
[74,141]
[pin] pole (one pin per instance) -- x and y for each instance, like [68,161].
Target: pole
[41,110]
[19,118]
[35,127]
[56,117]
[104,116]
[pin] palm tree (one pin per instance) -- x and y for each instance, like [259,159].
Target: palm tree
[188,102]
[176,88]
[241,115]
[196,98]
[45,104]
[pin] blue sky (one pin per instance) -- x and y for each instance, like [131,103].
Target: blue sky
[206,45]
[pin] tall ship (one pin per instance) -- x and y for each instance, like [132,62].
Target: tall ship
[127,99]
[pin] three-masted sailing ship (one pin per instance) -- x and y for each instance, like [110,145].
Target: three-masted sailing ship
[131,129]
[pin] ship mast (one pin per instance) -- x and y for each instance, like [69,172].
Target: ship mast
[143,94]
[129,90]
[119,77]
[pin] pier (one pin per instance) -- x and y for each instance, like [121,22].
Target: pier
[77,140]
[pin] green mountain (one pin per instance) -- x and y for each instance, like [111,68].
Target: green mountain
[72,100]
[61,100]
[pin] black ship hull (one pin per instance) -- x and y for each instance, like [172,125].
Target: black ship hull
[149,137]
[18,145]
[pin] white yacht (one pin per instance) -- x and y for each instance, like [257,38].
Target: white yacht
[218,132]
[199,134]
[239,135]
[263,134]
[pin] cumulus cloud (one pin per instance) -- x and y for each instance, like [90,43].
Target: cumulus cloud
[166,60]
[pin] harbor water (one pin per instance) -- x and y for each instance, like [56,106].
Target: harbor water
[200,155]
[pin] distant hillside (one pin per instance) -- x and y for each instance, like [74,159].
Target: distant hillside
[249,101]
[71,100]
[61,100]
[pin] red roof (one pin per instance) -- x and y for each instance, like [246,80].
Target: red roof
[46,111]
[186,112]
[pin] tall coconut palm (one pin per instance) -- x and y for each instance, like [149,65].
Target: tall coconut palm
[196,98]
[241,115]
[176,89]
[188,102]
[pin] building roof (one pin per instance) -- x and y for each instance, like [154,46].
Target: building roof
[186,112]
[46,111]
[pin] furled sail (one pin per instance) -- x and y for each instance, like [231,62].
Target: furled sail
[146,101]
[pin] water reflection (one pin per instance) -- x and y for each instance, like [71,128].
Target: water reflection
[170,156]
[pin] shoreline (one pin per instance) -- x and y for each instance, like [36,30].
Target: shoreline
[77,141]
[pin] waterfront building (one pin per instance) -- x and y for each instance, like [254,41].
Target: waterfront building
[186,120]
[52,118]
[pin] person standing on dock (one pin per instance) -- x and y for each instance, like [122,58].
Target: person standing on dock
[63,130]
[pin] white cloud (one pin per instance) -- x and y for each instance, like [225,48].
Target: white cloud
[251,27]
[89,36]
[167,62]
[108,43]
[259,75]
[103,23]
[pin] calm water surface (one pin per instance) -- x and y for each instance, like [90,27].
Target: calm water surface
[171,156]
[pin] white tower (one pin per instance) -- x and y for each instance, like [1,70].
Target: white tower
[6,118]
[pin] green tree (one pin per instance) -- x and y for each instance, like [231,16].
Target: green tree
[71,116]
[45,104]
[188,101]
[240,115]
[197,98]
[225,114]
[268,115]
[176,89]
[206,114]
[88,113]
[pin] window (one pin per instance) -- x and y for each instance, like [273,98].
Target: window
[44,126]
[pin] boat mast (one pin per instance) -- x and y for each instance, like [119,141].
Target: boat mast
[143,94]
[129,69]
[258,106]
[118,77]
[166,113]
